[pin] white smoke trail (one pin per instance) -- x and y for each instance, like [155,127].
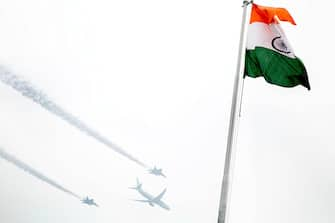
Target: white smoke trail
[33,172]
[28,90]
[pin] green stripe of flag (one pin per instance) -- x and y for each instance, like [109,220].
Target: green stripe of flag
[276,68]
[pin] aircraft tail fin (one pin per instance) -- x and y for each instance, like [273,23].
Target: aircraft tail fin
[138,185]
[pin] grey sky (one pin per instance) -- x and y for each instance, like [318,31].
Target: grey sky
[156,78]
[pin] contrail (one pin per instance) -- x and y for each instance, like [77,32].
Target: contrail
[34,172]
[28,90]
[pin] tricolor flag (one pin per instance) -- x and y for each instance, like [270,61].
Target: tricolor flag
[269,53]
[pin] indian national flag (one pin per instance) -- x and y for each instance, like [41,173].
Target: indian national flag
[269,53]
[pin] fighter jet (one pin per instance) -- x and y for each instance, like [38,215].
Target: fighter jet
[156,171]
[151,200]
[89,201]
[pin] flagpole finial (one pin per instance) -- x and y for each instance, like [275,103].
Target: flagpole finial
[245,2]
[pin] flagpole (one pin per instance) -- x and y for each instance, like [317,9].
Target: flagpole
[233,124]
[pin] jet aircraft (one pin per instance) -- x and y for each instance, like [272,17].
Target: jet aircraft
[89,201]
[156,171]
[151,200]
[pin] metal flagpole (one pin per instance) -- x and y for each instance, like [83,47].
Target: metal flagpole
[233,124]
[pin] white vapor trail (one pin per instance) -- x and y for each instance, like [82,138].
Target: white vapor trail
[34,172]
[28,90]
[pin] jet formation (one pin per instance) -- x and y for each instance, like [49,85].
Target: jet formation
[28,90]
[150,199]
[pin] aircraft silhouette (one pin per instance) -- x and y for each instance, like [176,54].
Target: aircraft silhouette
[89,201]
[151,200]
[156,171]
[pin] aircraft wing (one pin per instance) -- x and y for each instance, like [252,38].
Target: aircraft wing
[160,195]
[142,201]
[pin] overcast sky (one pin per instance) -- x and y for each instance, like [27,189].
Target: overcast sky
[156,78]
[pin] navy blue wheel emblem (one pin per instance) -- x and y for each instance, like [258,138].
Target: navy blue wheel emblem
[279,44]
